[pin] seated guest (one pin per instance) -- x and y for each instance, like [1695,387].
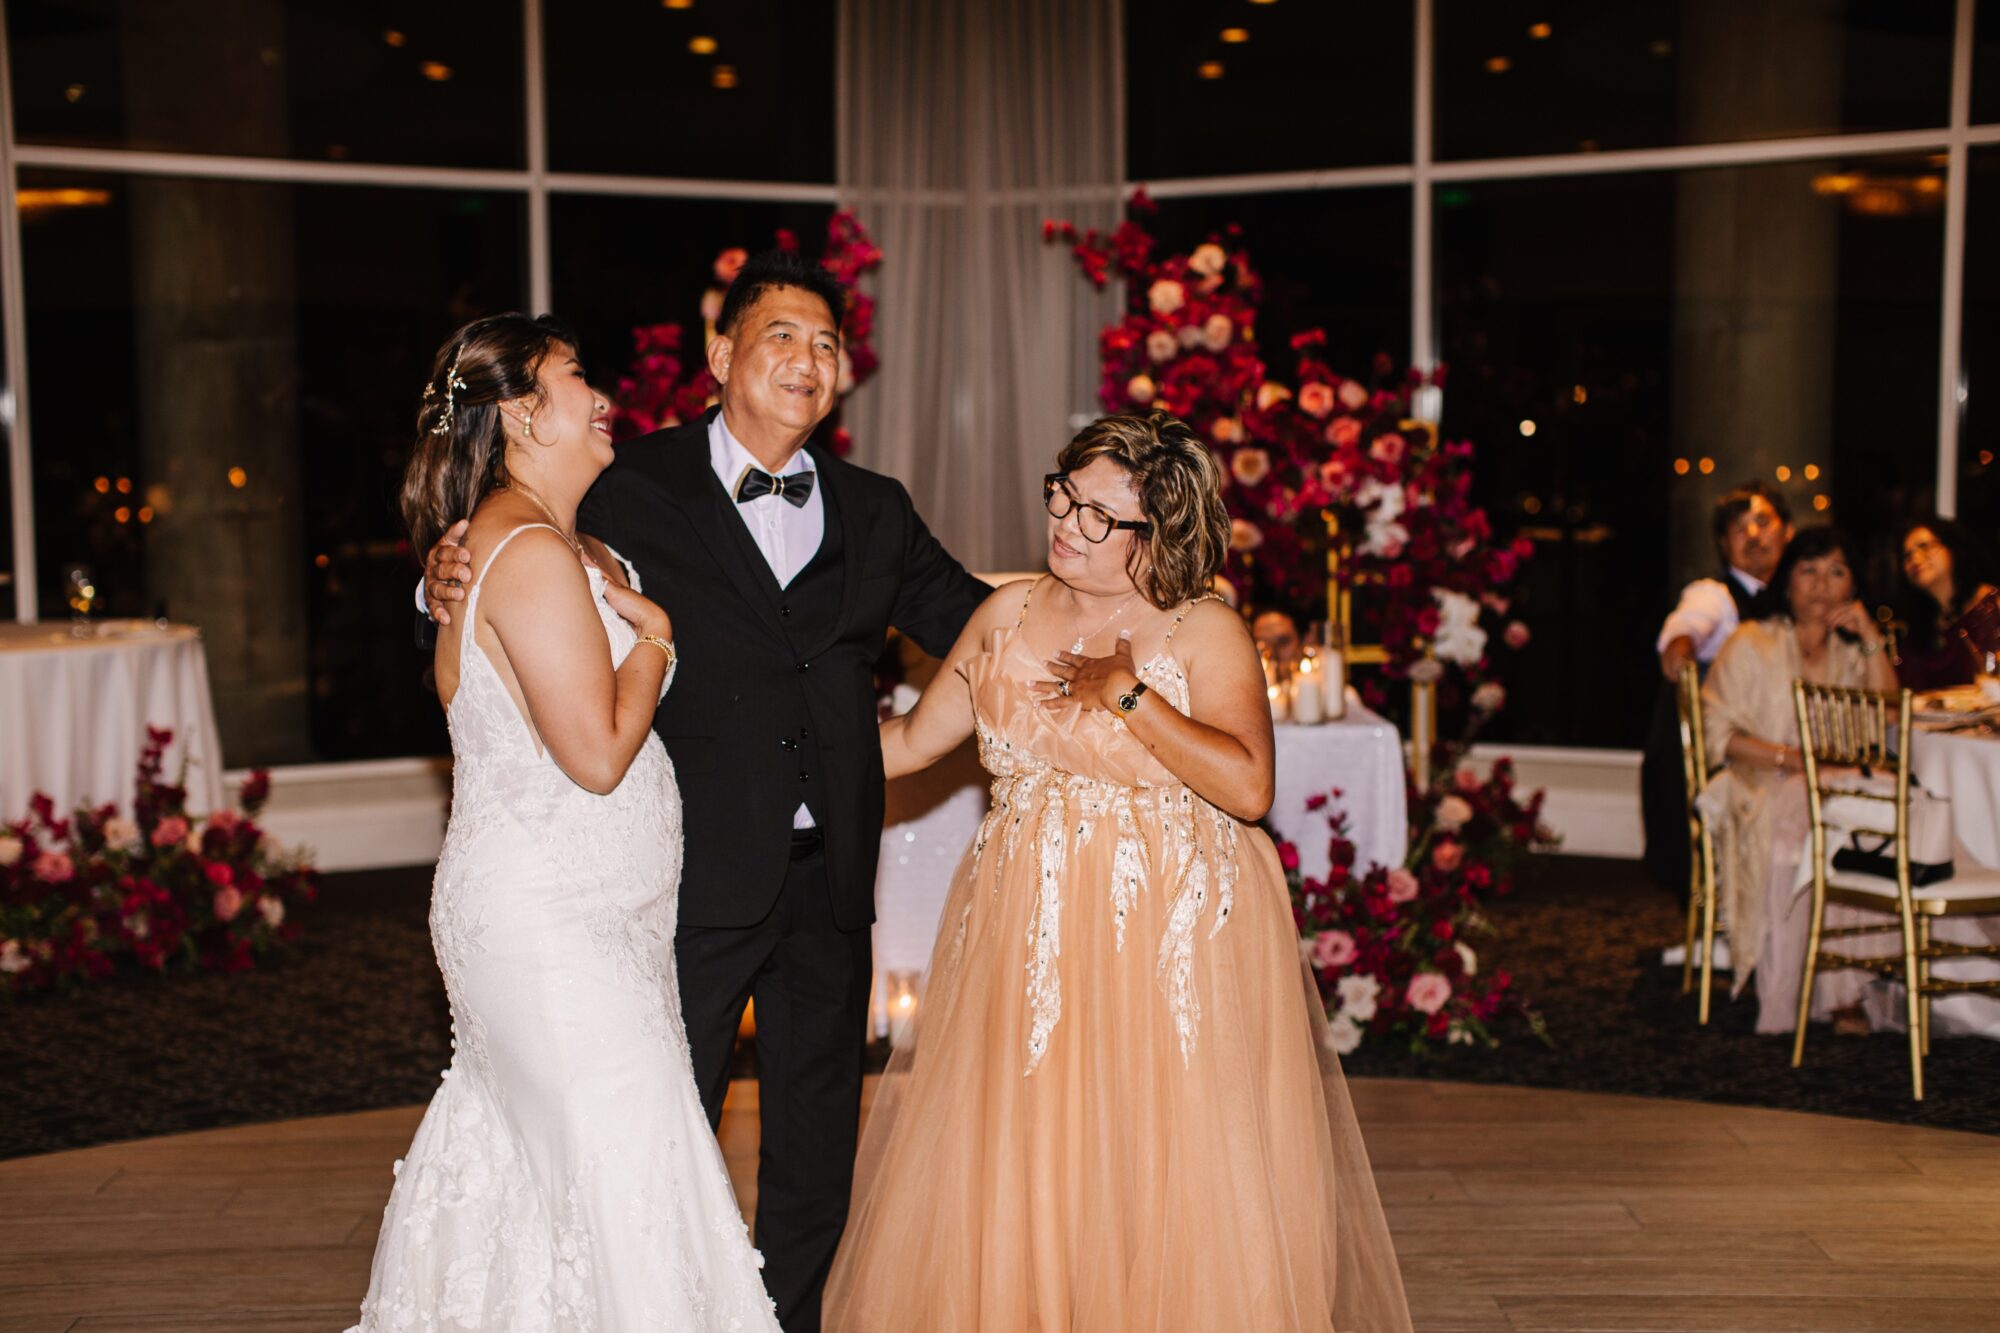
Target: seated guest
[1751,525]
[1277,636]
[1945,570]
[1816,628]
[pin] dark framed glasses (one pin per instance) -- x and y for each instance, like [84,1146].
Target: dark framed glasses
[1095,522]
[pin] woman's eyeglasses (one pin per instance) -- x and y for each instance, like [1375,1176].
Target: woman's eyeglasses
[1095,522]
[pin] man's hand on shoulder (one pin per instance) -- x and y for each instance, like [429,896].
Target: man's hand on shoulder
[447,573]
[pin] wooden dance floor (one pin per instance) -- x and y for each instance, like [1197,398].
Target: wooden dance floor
[1512,1209]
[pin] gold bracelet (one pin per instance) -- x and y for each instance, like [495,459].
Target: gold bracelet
[663,645]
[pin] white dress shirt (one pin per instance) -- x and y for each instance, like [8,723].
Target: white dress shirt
[789,535]
[1706,614]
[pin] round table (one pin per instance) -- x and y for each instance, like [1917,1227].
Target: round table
[74,708]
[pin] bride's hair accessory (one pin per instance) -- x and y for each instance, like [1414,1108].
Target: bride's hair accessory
[453,382]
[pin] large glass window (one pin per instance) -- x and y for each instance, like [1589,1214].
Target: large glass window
[1221,89]
[1979,437]
[620,263]
[224,378]
[1517,78]
[1986,64]
[438,82]
[739,91]
[1766,322]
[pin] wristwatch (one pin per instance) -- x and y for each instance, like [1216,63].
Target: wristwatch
[1129,701]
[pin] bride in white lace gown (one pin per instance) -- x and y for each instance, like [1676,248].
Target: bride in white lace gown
[564,1177]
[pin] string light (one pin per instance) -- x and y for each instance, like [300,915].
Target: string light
[702,46]
[1527,428]
[1820,502]
[1812,472]
[1784,474]
[1681,466]
[723,77]
[1539,31]
[238,478]
[1209,69]
[435,70]
[1707,465]
[1498,65]
[1235,36]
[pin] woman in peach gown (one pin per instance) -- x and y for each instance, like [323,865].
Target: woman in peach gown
[1118,1111]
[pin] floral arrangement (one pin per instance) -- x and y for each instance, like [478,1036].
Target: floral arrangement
[668,381]
[1330,466]
[1392,949]
[160,888]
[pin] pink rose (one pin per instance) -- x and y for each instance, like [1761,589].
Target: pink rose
[1141,389]
[10,849]
[228,902]
[1208,259]
[1428,992]
[1333,475]
[1244,535]
[1189,335]
[272,909]
[1467,778]
[169,831]
[1447,854]
[1516,635]
[225,820]
[729,263]
[1494,602]
[1333,948]
[1250,466]
[1352,396]
[1160,345]
[1217,332]
[1490,697]
[1269,394]
[1402,885]
[1343,433]
[54,867]
[1387,449]
[1226,430]
[1166,296]
[1316,399]
[1452,813]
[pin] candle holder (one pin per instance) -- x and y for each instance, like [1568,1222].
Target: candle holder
[900,998]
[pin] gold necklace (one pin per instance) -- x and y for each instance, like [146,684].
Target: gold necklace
[1081,639]
[553,520]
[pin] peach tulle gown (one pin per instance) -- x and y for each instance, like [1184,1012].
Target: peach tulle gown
[1116,1115]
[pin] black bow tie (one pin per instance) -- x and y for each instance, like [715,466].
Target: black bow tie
[757,484]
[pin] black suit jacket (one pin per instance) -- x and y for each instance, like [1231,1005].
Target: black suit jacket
[743,680]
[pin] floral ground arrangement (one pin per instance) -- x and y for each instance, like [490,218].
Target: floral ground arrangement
[1333,465]
[1395,950]
[158,889]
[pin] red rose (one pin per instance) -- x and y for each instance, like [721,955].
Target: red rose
[219,874]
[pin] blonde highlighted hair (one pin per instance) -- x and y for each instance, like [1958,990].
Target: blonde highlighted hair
[1180,493]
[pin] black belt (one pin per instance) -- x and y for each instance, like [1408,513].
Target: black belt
[806,843]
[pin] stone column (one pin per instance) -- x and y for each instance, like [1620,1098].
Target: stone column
[215,309]
[1756,255]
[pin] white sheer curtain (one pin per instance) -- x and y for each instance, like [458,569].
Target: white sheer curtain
[963,125]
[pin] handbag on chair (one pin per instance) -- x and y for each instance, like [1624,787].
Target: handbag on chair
[1872,852]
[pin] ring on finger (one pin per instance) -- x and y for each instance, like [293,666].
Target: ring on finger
[1062,688]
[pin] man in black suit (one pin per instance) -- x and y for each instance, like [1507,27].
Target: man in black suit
[783,568]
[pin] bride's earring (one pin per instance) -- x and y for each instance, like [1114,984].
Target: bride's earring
[528,427]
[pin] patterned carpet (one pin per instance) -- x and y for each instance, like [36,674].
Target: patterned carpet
[355,1018]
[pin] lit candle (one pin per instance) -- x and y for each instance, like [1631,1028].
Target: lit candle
[1308,704]
[1277,698]
[902,987]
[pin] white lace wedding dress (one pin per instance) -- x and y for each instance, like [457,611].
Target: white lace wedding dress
[564,1177]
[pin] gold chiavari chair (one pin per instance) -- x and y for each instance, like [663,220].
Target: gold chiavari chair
[1701,843]
[1869,731]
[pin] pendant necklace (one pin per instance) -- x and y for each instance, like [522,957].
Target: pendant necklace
[1077,647]
[554,522]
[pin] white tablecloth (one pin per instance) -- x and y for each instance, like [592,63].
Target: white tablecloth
[1965,768]
[932,817]
[74,713]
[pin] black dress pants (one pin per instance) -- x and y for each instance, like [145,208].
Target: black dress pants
[810,980]
[1663,796]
